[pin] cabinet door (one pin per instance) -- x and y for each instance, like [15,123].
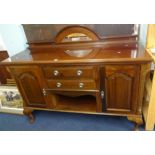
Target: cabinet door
[31,84]
[121,84]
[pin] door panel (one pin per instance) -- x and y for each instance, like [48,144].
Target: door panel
[121,84]
[30,82]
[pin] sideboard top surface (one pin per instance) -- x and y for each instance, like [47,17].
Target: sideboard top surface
[93,54]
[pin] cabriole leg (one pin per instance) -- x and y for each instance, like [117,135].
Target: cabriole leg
[28,113]
[138,120]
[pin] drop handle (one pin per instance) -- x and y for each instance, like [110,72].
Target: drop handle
[56,72]
[79,72]
[58,84]
[81,85]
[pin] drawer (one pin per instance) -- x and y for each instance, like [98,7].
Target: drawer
[70,72]
[72,84]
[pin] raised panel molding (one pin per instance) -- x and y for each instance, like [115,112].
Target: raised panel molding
[118,98]
[31,88]
[27,75]
[120,84]
[30,84]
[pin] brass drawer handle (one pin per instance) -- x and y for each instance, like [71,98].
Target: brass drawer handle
[81,85]
[58,84]
[56,72]
[79,72]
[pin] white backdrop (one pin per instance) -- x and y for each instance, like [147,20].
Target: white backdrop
[2,45]
[13,38]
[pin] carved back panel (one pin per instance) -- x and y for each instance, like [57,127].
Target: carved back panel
[48,32]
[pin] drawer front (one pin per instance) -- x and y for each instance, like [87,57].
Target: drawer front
[72,84]
[70,72]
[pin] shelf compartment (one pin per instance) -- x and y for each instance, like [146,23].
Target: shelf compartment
[86,103]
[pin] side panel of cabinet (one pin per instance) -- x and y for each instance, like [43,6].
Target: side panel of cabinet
[30,82]
[121,84]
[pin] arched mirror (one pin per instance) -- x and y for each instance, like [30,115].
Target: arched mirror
[75,34]
[76,37]
[79,53]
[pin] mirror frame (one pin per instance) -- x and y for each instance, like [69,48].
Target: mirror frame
[75,29]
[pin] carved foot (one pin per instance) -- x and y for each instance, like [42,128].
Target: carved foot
[31,118]
[138,121]
[136,127]
[28,112]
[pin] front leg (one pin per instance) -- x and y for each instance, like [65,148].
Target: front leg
[138,120]
[28,112]
[31,118]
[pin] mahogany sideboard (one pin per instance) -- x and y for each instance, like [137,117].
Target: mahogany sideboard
[79,72]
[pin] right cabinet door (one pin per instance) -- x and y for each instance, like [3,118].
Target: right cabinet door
[121,88]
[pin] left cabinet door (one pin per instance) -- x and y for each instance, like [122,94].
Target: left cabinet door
[31,84]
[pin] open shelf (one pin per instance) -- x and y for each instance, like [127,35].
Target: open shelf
[86,103]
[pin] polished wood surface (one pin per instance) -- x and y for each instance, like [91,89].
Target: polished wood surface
[82,72]
[72,84]
[57,55]
[98,76]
